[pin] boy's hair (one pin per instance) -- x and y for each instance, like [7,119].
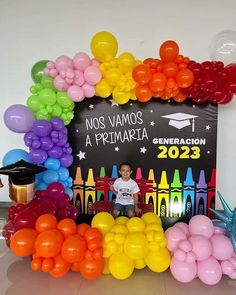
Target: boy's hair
[125,164]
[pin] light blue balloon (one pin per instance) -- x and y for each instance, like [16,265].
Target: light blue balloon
[14,156]
[63,173]
[41,186]
[69,192]
[50,176]
[52,164]
[69,181]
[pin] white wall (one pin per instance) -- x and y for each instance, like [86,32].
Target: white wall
[44,29]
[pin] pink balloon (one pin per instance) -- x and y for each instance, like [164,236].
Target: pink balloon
[222,247]
[218,230]
[92,75]
[95,62]
[60,83]
[89,90]
[174,235]
[183,226]
[227,267]
[179,255]
[209,271]
[78,78]
[191,257]
[185,246]
[76,93]
[201,247]
[182,271]
[201,225]
[63,63]
[81,61]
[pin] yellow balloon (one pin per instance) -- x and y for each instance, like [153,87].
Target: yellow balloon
[113,76]
[111,247]
[139,263]
[121,220]
[119,228]
[103,89]
[121,266]
[121,97]
[151,217]
[103,221]
[106,270]
[136,245]
[153,246]
[109,237]
[126,62]
[158,261]
[135,224]
[104,46]
[153,227]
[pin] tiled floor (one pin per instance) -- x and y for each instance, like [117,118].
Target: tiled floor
[16,277]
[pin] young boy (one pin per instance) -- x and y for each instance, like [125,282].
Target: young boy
[126,191]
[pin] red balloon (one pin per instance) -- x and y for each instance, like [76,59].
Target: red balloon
[8,232]
[169,51]
[55,190]
[47,206]
[142,74]
[25,218]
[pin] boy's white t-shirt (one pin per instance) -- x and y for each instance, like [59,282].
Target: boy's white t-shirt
[125,191]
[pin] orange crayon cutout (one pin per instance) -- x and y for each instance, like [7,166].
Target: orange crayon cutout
[78,190]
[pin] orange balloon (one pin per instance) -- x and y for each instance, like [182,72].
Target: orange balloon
[73,249]
[48,243]
[67,226]
[45,222]
[61,267]
[142,74]
[81,228]
[47,264]
[75,267]
[36,264]
[88,255]
[184,78]
[22,242]
[170,69]
[91,269]
[143,93]
[98,253]
[158,82]
[169,51]
[94,244]
[180,97]
[93,233]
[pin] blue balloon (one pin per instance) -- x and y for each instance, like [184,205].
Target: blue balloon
[50,176]
[52,164]
[63,173]
[69,192]
[41,186]
[14,156]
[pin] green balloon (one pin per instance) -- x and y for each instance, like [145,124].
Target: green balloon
[40,116]
[47,82]
[37,70]
[33,103]
[63,99]
[56,110]
[47,96]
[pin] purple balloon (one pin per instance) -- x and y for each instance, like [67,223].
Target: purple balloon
[55,152]
[46,143]
[62,141]
[54,133]
[38,156]
[66,160]
[57,123]
[19,118]
[35,144]
[42,128]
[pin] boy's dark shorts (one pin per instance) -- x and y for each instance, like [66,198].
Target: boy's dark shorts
[123,208]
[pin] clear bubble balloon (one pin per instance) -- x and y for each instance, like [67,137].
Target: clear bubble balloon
[223,47]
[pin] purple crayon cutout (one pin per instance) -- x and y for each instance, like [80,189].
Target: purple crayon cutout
[201,194]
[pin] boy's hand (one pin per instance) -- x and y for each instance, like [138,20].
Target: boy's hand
[137,210]
[111,187]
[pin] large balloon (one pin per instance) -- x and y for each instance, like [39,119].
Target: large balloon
[104,46]
[14,156]
[158,261]
[103,221]
[223,47]
[22,242]
[121,266]
[18,118]
[182,271]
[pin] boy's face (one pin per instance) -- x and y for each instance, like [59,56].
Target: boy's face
[125,172]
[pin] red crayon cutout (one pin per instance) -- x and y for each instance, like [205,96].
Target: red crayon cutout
[211,193]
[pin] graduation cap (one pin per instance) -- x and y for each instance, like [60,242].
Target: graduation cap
[21,179]
[181,120]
